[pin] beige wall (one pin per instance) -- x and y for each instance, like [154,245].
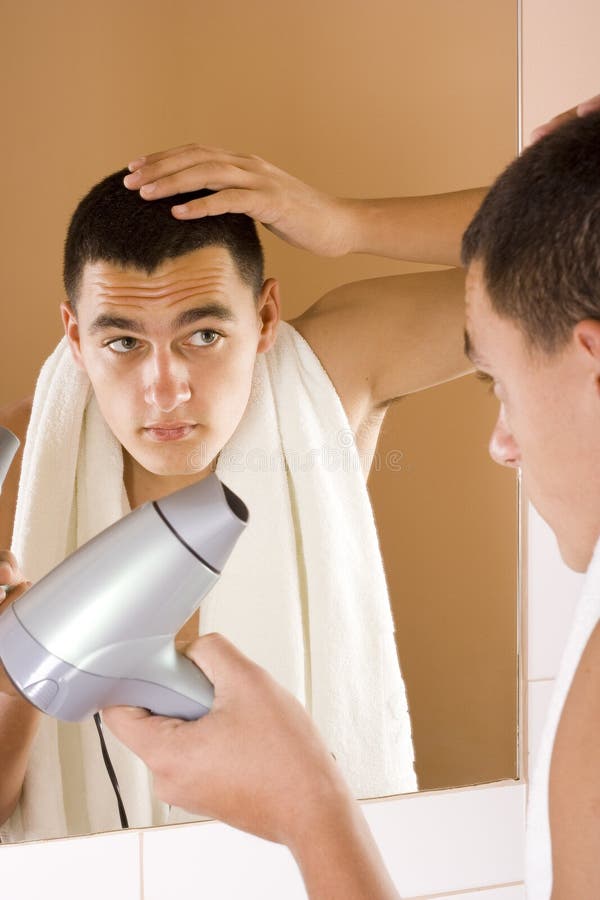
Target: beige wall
[368,99]
[560,57]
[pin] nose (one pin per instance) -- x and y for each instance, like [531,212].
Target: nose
[167,383]
[503,447]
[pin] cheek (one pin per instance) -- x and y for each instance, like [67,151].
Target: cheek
[224,391]
[229,387]
[113,389]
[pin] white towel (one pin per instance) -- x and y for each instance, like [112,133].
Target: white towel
[539,846]
[71,488]
[303,593]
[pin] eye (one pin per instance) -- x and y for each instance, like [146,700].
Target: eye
[487,379]
[122,344]
[204,338]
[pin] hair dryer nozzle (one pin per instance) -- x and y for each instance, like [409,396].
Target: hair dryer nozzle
[211,535]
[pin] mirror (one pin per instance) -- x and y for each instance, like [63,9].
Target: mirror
[385,99]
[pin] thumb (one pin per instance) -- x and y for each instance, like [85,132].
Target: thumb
[218,658]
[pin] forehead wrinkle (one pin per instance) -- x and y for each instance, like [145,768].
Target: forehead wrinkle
[161,289]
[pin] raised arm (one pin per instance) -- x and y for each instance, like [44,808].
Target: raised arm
[383,338]
[420,229]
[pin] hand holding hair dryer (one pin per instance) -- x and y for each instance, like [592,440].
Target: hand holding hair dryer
[99,629]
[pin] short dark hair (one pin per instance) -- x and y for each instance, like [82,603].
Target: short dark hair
[114,224]
[537,234]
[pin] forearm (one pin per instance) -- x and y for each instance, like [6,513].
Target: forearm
[18,726]
[339,858]
[417,229]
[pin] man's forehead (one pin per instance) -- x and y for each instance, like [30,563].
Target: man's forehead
[477,306]
[491,340]
[206,269]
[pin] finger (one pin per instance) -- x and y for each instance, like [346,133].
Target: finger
[7,557]
[13,594]
[153,157]
[159,164]
[212,175]
[137,728]
[9,569]
[542,130]
[149,168]
[225,201]
[589,106]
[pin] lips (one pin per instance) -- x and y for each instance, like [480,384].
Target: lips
[169,431]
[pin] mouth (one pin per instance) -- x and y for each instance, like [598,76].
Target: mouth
[169,431]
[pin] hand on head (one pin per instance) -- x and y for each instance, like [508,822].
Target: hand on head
[582,109]
[255,761]
[294,211]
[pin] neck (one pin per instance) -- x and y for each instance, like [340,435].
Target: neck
[143,486]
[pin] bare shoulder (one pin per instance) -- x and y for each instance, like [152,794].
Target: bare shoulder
[575,783]
[320,328]
[383,338]
[15,417]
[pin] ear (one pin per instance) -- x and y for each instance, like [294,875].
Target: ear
[586,335]
[72,332]
[268,310]
[587,339]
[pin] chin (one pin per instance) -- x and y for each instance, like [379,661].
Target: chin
[573,556]
[575,552]
[178,461]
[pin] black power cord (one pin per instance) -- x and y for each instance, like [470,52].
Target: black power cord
[111,772]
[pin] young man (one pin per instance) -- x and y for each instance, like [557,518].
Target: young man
[175,363]
[533,331]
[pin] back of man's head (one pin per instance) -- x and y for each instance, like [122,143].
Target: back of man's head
[537,235]
[113,224]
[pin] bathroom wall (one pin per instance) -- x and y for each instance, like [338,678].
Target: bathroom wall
[465,844]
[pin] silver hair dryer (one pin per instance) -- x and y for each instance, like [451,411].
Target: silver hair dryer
[9,444]
[99,629]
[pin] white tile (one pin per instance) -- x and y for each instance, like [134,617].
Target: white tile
[553,591]
[539,694]
[515,892]
[99,867]
[452,840]
[432,843]
[217,862]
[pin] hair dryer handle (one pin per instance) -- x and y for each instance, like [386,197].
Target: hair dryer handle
[168,684]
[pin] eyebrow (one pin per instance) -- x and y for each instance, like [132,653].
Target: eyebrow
[105,321]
